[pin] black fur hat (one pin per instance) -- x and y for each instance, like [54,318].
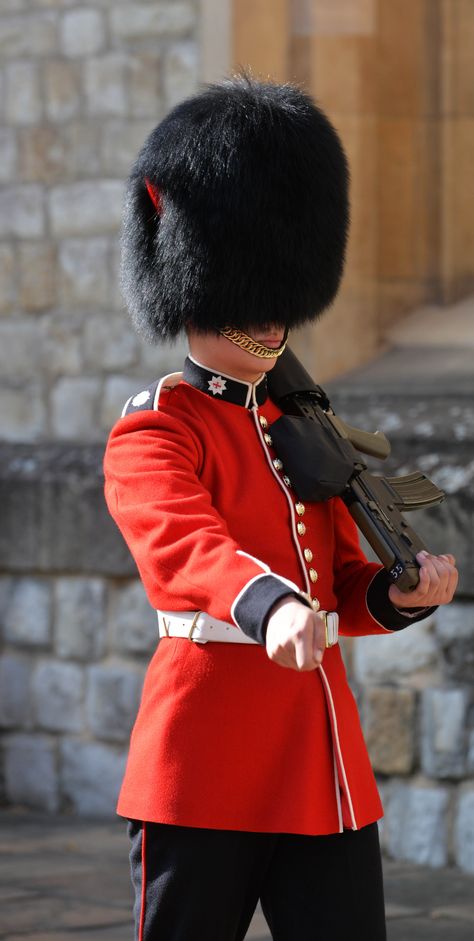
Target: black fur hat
[250,183]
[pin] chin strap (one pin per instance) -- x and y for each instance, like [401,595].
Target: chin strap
[251,346]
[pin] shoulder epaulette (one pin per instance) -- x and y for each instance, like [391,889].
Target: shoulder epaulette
[148,399]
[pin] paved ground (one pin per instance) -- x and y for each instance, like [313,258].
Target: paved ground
[64,879]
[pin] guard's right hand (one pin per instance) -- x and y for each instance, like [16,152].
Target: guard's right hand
[296,636]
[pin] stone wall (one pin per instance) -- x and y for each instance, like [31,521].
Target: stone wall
[81,88]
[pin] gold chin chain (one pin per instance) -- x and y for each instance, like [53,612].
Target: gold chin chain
[251,346]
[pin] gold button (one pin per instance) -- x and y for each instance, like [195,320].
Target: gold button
[308,555]
[268,439]
[263,421]
[301,529]
[315,604]
[287,481]
[277,463]
[300,509]
[313,575]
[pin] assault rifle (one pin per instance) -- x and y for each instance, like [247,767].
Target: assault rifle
[321,454]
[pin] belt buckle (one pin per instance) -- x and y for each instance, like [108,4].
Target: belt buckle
[331,627]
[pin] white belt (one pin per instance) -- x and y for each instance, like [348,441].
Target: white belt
[201,627]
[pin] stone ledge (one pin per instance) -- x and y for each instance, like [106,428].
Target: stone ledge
[56,519]
[54,514]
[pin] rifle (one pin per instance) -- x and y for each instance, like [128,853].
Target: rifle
[322,455]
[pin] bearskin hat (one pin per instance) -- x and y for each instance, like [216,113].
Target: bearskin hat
[236,213]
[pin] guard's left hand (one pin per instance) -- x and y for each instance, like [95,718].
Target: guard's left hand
[438,581]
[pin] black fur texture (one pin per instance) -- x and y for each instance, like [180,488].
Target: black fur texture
[253,228]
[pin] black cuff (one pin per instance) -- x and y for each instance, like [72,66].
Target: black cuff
[253,607]
[382,609]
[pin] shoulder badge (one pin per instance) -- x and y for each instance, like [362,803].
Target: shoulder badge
[149,399]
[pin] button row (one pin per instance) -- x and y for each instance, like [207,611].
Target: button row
[300,510]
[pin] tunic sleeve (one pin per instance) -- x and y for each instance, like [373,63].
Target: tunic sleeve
[185,555]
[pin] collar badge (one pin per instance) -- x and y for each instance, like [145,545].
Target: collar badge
[217,385]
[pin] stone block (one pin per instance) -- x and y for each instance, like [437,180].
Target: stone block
[352,88]
[389,720]
[79,618]
[7,279]
[380,658]
[416,824]
[462,76]
[180,72]
[121,142]
[90,777]
[133,622]
[20,348]
[22,212]
[404,39]
[83,273]
[23,104]
[30,771]
[37,273]
[144,87]
[55,519]
[454,626]
[82,143]
[91,208]
[464,829]
[57,696]
[62,345]
[141,21]
[62,90]
[82,32]
[22,413]
[443,732]
[42,155]
[105,85]
[113,698]
[15,707]
[109,343]
[157,360]
[117,389]
[8,154]
[27,613]
[31,34]
[74,408]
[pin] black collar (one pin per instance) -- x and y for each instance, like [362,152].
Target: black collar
[223,387]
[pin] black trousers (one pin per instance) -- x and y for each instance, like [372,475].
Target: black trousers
[204,885]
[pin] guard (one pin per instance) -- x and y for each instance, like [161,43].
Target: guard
[248,777]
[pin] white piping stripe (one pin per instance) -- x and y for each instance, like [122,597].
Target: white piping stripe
[127,403]
[338,792]
[338,746]
[288,497]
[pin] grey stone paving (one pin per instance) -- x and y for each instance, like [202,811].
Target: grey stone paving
[65,879]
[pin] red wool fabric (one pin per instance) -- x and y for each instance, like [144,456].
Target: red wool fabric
[225,738]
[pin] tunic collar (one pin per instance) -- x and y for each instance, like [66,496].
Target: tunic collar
[226,388]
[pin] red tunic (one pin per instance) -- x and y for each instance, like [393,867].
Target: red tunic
[225,738]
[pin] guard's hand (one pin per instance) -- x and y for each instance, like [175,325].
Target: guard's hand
[296,636]
[438,581]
